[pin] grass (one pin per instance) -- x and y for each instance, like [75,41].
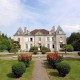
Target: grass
[5,70]
[73,75]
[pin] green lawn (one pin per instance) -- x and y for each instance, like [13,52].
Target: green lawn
[73,75]
[5,70]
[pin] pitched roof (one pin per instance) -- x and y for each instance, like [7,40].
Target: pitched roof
[19,32]
[42,31]
[60,31]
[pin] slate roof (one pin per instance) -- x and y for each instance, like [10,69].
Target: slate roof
[19,32]
[25,32]
[43,31]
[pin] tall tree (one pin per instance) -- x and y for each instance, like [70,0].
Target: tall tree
[74,40]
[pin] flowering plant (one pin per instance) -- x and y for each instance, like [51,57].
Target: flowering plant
[53,58]
[26,58]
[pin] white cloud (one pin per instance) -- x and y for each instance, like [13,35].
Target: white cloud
[60,12]
[11,12]
[71,28]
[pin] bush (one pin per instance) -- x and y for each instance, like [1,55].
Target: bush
[53,58]
[63,68]
[26,58]
[13,50]
[35,51]
[44,50]
[18,69]
[69,48]
[79,53]
[32,49]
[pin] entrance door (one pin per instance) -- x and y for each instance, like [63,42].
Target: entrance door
[39,46]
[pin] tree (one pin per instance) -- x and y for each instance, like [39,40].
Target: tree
[15,46]
[74,40]
[74,37]
[76,45]
[68,48]
[4,42]
[8,44]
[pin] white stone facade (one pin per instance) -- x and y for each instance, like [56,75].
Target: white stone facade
[52,39]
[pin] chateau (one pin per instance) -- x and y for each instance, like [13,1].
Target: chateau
[53,39]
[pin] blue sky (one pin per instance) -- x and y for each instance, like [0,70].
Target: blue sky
[39,14]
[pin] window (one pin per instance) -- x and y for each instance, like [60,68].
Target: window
[18,39]
[61,45]
[26,46]
[53,46]
[48,45]
[39,38]
[60,37]
[30,45]
[31,39]
[52,38]
[47,38]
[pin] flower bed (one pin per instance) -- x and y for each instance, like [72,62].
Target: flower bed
[54,60]
[26,58]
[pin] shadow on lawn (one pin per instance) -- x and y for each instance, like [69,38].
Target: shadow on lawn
[46,65]
[11,75]
[54,74]
[51,73]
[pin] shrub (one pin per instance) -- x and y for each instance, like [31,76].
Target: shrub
[18,69]
[63,68]
[26,58]
[35,51]
[44,50]
[53,58]
[69,48]
[13,50]
[32,49]
[79,53]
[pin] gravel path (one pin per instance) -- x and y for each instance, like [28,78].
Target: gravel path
[39,72]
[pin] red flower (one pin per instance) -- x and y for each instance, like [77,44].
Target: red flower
[24,57]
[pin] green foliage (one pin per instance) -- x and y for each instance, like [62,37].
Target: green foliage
[44,50]
[18,69]
[74,40]
[53,59]
[4,43]
[6,68]
[26,58]
[34,49]
[15,46]
[68,48]
[79,53]
[76,45]
[8,44]
[63,68]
